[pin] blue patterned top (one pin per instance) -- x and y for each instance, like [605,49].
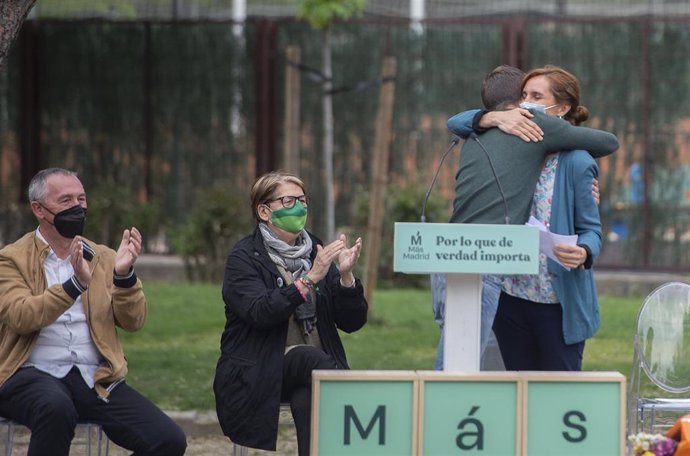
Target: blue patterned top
[539,287]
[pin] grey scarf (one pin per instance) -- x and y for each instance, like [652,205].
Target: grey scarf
[296,260]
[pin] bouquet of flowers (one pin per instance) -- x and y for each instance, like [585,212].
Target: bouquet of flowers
[644,444]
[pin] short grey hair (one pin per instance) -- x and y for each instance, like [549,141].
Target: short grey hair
[37,187]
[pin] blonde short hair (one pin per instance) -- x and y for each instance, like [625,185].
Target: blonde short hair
[265,186]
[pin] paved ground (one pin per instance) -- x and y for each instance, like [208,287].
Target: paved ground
[204,438]
[197,446]
[218,446]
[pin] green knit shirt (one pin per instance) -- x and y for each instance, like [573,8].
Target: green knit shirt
[517,165]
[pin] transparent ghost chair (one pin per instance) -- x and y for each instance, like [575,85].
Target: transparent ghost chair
[661,361]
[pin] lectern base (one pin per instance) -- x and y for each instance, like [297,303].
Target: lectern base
[462,328]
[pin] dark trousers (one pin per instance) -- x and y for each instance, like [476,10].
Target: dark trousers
[530,336]
[50,408]
[297,368]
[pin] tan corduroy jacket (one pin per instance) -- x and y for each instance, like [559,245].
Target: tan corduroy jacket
[27,306]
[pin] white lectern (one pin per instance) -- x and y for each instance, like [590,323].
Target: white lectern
[463,252]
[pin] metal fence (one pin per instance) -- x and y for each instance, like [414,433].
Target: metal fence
[165,108]
[429,9]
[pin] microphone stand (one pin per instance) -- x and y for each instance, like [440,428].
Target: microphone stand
[453,142]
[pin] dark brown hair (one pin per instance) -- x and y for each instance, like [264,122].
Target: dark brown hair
[502,87]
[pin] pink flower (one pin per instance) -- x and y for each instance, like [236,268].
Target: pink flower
[643,444]
[665,447]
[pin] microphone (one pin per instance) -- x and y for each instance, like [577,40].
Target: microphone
[473,136]
[453,142]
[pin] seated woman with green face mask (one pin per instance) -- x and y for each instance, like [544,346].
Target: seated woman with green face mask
[286,295]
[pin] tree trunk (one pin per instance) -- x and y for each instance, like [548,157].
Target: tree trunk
[291,155]
[12,15]
[379,178]
[327,104]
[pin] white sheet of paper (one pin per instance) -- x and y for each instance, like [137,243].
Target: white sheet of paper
[547,239]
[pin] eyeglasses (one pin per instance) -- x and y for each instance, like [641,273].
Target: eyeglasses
[289,201]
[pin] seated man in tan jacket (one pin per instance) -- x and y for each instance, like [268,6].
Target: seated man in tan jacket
[61,298]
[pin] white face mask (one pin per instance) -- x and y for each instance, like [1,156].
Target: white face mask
[536,106]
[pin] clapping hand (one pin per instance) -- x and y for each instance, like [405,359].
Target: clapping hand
[81,267]
[324,258]
[336,250]
[347,258]
[128,252]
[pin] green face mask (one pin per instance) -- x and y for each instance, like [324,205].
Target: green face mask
[291,220]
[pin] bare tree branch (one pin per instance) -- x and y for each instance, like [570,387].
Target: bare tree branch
[12,15]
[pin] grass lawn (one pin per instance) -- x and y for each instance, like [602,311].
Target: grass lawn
[172,360]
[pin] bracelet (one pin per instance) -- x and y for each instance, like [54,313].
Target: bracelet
[309,283]
[302,293]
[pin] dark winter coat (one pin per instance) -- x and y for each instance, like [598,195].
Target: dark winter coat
[258,305]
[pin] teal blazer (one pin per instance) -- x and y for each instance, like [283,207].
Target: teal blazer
[573,211]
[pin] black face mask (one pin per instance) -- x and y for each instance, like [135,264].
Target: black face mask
[70,222]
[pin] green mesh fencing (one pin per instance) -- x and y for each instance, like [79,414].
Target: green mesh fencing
[164,110]
[633,78]
[430,9]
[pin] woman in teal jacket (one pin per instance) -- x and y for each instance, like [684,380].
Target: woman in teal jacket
[543,320]
[575,212]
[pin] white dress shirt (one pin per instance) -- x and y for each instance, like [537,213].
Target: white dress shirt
[66,342]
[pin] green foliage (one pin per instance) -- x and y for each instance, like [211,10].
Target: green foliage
[114,208]
[401,205]
[15,221]
[111,209]
[612,347]
[403,334]
[218,219]
[180,342]
[61,8]
[322,13]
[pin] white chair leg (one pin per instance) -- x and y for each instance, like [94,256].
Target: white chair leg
[100,439]
[103,442]
[9,441]
[239,450]
[89,428]
[88,439]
